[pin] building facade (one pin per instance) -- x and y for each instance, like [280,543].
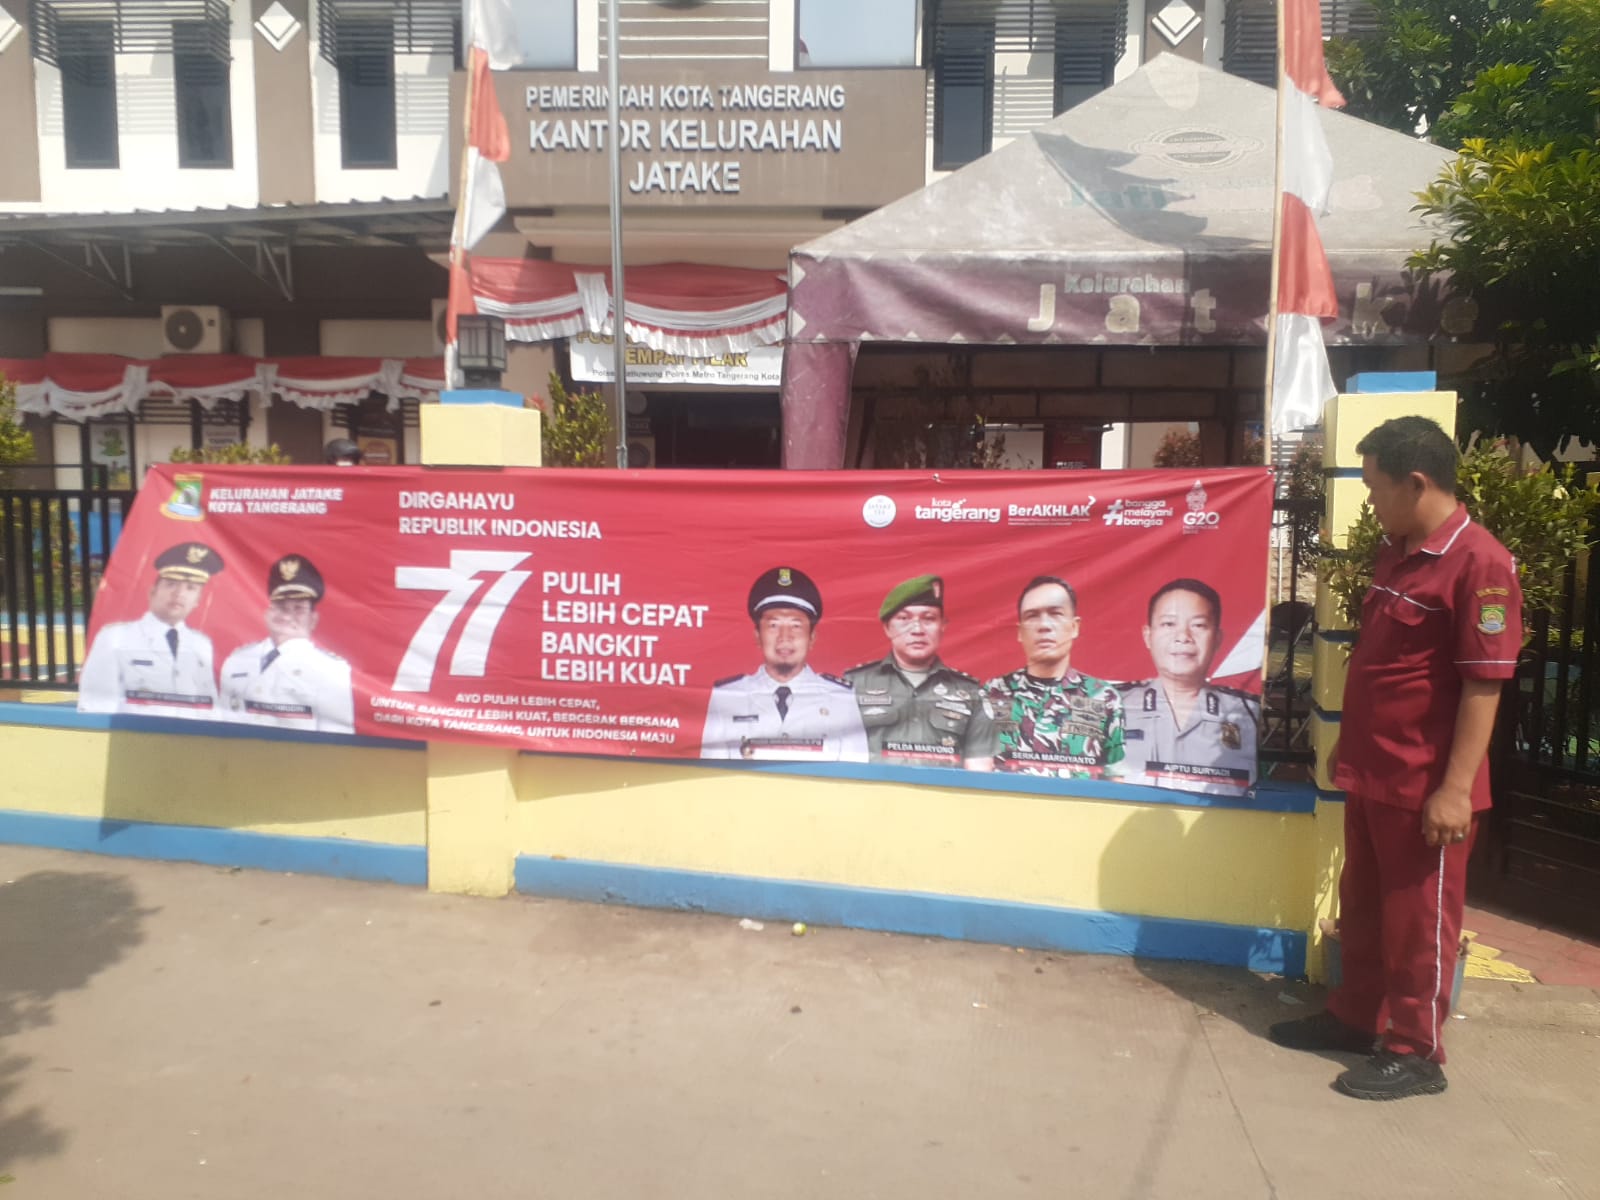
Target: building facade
[284,172]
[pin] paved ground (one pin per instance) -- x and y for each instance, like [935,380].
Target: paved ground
[179,1031]
[1550,955]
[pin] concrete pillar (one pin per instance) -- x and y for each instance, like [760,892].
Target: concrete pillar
[471,789]
[1348,419]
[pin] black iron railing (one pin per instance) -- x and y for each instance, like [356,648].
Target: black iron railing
[54,543]
[1285,751]
[1542,857]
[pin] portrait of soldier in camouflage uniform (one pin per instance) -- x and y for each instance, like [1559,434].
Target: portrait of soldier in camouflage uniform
[1053,720]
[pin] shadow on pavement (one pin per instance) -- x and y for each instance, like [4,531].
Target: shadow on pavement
[1158,844]
[58,929]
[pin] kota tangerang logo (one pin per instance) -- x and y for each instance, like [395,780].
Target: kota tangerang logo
[187,500]
[939,509]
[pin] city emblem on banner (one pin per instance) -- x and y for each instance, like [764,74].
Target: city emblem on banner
[187,500]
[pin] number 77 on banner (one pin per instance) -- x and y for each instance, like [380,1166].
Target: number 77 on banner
[460,583]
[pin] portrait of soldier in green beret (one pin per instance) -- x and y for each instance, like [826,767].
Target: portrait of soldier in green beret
[917,710]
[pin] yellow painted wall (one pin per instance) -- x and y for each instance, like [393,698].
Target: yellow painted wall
[293,788]
[1226,865]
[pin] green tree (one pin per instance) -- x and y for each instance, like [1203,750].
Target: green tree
[1515,86]
[576,425]
[1423,55]
[16,443]
[1179,448]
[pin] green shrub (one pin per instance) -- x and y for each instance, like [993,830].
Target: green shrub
[576,425]
[233,454]
[1543,517]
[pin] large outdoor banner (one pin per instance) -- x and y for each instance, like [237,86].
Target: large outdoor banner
[1084,624]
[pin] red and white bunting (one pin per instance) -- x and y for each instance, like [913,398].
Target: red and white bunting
[82,386]
[680,308]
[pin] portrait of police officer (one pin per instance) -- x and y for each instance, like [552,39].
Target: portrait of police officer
[784,710]
[286,680]
[157,665]
[1180,730]
[1053,719]
[918,711]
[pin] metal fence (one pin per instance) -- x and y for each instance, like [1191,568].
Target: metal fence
[1286,752]
[54,543]
[1543,846]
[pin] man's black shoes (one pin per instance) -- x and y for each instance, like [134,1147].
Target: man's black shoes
[1322,1031]
[1390,1076]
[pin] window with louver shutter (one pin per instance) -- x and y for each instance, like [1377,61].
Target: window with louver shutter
[1084,37]
[1250,34]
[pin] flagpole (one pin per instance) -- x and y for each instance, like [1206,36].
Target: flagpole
[1279,124]
[619,335]
[1277,240]
[458,231]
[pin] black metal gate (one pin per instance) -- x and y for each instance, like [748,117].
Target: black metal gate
[1540,853]
[54,543]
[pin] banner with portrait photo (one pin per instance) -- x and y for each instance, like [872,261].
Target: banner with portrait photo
[1082,624]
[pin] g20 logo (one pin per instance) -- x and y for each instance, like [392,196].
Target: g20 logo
[1201,520]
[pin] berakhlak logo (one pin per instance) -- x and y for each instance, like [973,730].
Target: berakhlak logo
[878,511]
[187,500]
[1197,517]
[1050,514]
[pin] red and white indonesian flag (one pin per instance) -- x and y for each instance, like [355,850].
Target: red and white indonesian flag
[1301,381]
[488,144]
[492,46]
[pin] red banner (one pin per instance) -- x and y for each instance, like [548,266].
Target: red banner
[1100,624]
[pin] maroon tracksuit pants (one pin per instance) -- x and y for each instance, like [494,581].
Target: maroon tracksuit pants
[1400,910]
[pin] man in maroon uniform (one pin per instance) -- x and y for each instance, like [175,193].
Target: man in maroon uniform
[1440,631]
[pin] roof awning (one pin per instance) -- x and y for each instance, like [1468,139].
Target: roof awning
[683,308]
[108,247]
[84,386]
[1140,217]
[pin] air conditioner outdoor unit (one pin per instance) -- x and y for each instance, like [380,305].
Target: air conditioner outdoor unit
[195,329]
[440,333]
[641,452]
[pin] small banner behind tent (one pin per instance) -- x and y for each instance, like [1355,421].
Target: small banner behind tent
[1084,624]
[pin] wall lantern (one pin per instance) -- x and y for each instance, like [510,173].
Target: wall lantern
[481,350]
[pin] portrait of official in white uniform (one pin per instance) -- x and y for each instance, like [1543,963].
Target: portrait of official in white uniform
[783,710]
[1179,729]
[157,665]
[286,680]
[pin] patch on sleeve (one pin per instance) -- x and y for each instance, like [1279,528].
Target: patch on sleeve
[1493,591]
[1491,618]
